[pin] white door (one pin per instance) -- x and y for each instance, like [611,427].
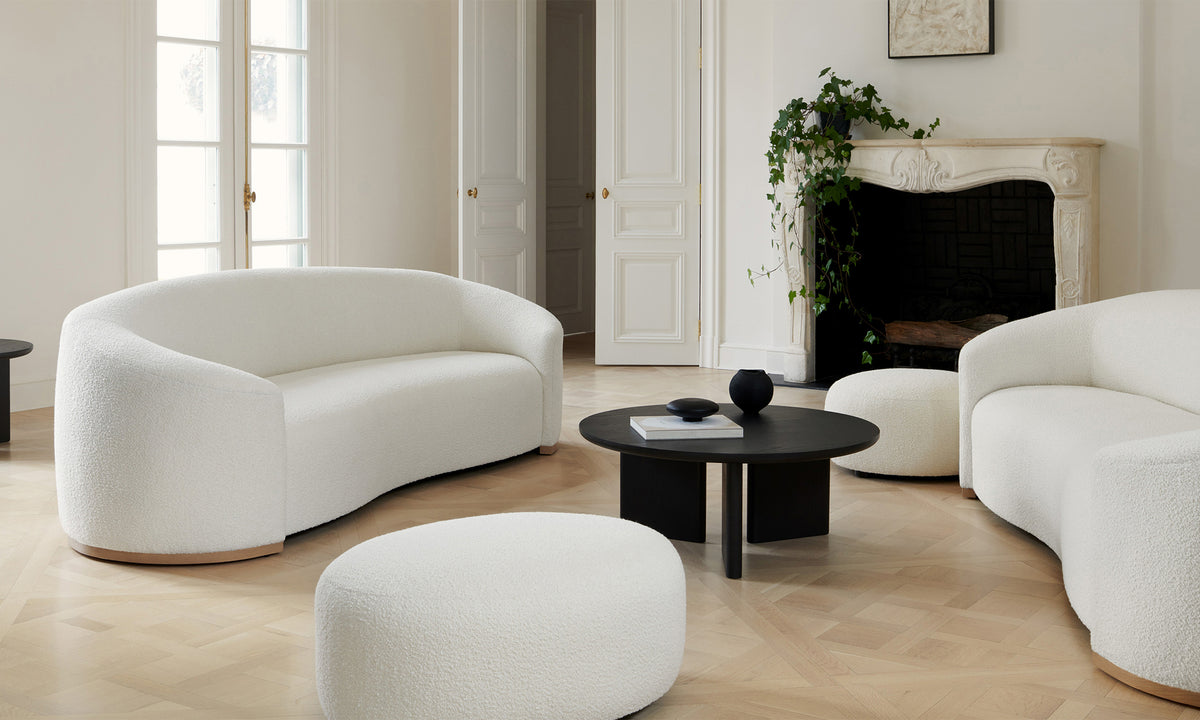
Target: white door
[571,163]
[648,180]
[497,144]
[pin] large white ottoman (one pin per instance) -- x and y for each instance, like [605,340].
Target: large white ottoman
[917,414]
[519,615]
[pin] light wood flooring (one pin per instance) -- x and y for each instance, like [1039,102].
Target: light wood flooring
[918,604]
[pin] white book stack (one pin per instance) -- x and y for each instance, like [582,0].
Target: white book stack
[669,427]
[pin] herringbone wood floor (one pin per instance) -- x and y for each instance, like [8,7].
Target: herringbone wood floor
[918,604]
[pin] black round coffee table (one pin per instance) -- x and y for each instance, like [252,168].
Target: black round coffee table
[786,451]
[8,349]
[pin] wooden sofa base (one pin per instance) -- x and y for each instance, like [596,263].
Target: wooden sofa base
[969,493]
[175,558]
[1174,694]
[548,449]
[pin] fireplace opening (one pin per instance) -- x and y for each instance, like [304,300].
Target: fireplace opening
[926,257]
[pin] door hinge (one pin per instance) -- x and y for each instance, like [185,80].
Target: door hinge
[698,330]
[699,193]
[700,58]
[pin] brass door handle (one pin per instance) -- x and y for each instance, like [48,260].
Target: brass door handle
[473,192]
[604,193]
[590,195]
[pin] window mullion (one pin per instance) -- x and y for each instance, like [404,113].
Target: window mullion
[236,124]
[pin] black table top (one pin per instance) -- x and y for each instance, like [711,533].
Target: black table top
[776,434]
[14,348]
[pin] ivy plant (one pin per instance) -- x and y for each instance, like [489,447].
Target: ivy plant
[813,136]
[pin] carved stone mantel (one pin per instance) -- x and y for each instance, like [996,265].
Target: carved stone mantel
[1070,166]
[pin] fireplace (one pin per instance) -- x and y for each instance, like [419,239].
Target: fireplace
[985,252]
[1066,168]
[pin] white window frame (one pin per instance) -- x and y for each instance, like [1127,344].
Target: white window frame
[141,139]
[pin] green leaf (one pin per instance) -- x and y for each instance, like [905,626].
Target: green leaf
[866,358]
[823,155]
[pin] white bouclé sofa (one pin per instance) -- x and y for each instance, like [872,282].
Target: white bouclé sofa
[205,419]
[1082,427]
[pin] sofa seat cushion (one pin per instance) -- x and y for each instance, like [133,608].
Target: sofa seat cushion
[357,430]
[1034,444]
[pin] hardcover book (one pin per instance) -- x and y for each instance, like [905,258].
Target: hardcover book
[669,427]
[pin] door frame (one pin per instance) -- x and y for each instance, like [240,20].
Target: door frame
[711,241]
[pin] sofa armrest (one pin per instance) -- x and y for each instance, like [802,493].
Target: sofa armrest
[1139,546]
[163,453]
[1048,349]
[497,321]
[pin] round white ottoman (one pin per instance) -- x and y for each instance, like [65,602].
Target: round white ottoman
[519,615]
[917,414]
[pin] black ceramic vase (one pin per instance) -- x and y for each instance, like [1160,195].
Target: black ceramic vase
[751,390]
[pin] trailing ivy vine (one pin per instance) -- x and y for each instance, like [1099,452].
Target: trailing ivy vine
[813,137]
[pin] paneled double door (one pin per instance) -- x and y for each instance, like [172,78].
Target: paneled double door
[646,184]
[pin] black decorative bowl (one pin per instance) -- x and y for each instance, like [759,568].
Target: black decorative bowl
[692,409]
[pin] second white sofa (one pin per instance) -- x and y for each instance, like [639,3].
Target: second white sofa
[205,419]
[1082,427]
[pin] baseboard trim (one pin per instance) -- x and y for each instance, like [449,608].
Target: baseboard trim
[1174,694]
[137,558]
[31,395]
[732,356]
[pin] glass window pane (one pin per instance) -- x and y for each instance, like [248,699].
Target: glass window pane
[279,23]
[189,186]
[277,256]
[278,96]
[187,261]
[280,181]
[193,19]
[188,92]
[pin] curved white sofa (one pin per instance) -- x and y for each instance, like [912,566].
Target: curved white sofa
[204,419]
[1082,427]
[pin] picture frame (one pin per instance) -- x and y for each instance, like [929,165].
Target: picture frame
[939,28]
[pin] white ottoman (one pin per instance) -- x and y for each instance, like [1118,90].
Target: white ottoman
[520,615]
[917,414]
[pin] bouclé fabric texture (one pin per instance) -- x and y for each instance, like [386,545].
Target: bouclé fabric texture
[1082,427]
[916,410]
[518,616]
[225,411]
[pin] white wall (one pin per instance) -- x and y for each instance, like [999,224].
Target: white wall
[1171,145]
[749,315]
[62,173]
[63,156]
[1061,68]
[397,133]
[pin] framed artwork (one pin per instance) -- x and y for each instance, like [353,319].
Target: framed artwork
[932,28]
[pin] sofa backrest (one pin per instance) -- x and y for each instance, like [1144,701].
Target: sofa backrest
[268,322]
[1149,344]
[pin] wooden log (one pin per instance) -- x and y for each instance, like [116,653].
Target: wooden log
[983,322]
[940,333]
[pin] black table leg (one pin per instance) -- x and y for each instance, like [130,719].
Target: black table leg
[787,500]
[4,402]
[667,495]
[731,519]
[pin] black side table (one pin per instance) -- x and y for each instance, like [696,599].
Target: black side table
[786,452]
[8,349]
